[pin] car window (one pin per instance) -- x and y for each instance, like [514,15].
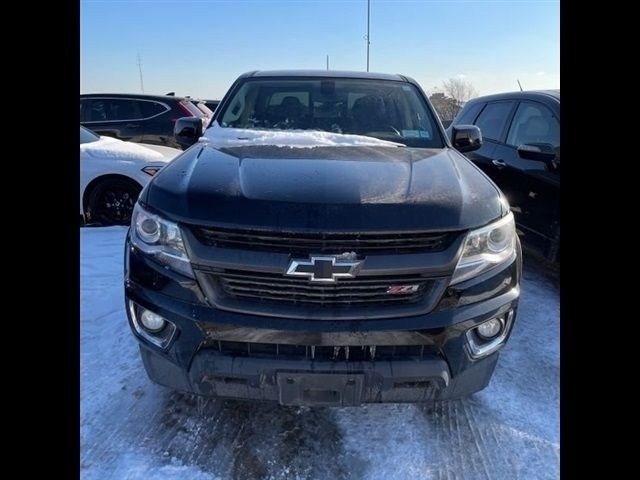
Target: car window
[469,114]
[109,109]
[125,110]
[83,110]
[87,136]
[493,119]
[388,110]
[150,109]
[97,111]
[534,123]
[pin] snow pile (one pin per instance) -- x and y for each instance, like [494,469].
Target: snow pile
[108,147]
[218,136]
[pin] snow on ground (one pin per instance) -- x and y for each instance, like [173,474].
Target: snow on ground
[133,429]
[218,136]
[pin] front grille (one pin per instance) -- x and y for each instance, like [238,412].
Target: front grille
[295,242]
[362,291]
[333,353]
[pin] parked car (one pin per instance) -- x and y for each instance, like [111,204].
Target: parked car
[323,243]
[212,104]
[136,118]
[204,109]
[202,106]
[112,173]
[521,154]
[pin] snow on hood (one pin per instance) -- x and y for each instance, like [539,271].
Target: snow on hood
[218,136]
[109,147]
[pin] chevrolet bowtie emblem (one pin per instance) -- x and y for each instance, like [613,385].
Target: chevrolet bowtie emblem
[324,268]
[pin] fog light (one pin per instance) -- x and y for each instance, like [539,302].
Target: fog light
[489,329]
[151,321]
[490,335]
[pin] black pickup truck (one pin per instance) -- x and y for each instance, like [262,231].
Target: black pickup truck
[322,242]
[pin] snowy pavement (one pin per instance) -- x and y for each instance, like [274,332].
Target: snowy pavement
[133,429]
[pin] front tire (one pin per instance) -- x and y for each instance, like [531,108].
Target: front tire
[111,201]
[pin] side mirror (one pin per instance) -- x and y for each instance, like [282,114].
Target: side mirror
[542,152]
[187,131]
[466,138]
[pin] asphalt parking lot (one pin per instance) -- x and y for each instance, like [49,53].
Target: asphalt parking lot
[133,429]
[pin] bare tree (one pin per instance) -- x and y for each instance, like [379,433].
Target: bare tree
[457,91]
[445,106]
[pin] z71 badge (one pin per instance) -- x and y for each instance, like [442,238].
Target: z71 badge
[402,289]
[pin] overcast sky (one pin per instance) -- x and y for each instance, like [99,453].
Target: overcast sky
[198,47]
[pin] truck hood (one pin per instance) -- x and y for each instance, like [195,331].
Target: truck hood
[350,188]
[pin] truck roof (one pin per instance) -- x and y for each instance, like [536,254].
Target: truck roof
[325,73]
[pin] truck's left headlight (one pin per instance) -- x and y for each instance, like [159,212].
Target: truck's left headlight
[485,248]
[161,239]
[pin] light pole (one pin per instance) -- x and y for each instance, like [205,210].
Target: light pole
[140,70]
[368,30]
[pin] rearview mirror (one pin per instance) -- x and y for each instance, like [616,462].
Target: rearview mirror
[542,152]
[187,131]
[466,138]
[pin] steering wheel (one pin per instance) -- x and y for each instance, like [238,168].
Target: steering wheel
[395,130]
[387,128]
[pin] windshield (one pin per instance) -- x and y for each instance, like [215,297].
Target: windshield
[383,109]
[87,136]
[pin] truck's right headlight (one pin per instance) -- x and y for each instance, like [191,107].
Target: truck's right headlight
[160,238]
[486,248]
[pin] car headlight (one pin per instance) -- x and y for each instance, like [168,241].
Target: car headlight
[161,239]
[486,248]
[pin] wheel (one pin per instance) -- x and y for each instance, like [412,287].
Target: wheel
[111,201]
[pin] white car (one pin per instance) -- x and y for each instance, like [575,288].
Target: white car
[113,172]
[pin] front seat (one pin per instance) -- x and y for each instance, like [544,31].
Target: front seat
[291,109]
[369,114]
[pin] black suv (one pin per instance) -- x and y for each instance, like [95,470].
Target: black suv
[136,118]
[521,154]
[323,243]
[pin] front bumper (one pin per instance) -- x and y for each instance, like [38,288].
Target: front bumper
[243,356]
[310,382]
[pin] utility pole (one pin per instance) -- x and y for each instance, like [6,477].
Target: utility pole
[519,84]
[368,30]
[327,62]
[140,69]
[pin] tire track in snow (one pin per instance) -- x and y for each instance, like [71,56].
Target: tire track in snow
[501,451]
[478,439]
